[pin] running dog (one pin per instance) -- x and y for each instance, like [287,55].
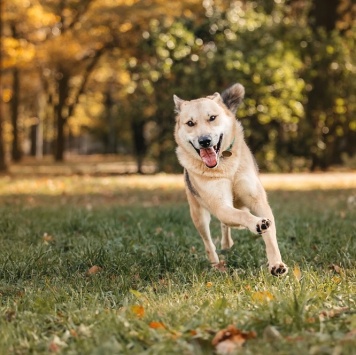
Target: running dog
[221,176]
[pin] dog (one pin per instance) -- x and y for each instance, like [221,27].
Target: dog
[221,175]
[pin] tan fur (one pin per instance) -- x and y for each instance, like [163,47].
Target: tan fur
[230,190]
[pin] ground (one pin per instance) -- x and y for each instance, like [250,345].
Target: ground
[113,265]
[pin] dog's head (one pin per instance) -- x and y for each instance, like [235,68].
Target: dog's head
[204,126]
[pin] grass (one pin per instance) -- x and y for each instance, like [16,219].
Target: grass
[105,265]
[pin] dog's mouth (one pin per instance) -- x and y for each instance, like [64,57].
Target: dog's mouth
[210,156]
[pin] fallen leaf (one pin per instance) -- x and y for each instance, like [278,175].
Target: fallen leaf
[193,332]
[297,273]
[209,284]
[53,347]
[157,325]
[228,340]
[56,344]
[335,268]
[332,313]
[262,296]
[48,239]
[310,320]
[95,269]
[73,333]
[336,279]
[136,293]
[138,310]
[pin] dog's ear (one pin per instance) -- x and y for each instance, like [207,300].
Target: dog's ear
[233,96]
[178,103]
[215,97]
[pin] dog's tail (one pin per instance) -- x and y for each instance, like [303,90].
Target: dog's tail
[233,96]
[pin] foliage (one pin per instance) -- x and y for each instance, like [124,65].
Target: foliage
[86,271]
[111,67]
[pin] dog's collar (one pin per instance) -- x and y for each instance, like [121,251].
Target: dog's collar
[227,152]
[228,149]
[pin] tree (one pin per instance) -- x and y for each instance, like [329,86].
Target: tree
[3,166]
[331,100]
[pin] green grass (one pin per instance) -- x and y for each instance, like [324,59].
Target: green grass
[153,269]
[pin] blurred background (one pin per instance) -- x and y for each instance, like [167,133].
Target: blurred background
[94,79]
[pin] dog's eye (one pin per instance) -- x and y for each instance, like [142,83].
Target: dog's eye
[190,123]
[212,118]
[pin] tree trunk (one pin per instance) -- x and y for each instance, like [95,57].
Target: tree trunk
[3,166]
[33,140]
[63,89]
[14,104]
[111,137]
[139,143]
[322,15]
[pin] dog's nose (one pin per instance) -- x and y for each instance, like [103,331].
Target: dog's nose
[204,141]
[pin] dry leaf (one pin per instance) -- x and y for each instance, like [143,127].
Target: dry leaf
[56,344]
[47,239]
[95,269]
[73,333]
[262,296]
[157,325]
[138,310]
[53,347]
[297,273]
[331,313]
[335,268]
[227,340]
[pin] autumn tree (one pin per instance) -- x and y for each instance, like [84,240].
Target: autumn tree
[330,72]
[3,166]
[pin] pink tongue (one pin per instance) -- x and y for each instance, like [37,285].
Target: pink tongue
[209,157]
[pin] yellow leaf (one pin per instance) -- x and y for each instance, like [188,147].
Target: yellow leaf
[138,310]
[209,284]
[136,293]
[336,279]
[262,296]
[297,273]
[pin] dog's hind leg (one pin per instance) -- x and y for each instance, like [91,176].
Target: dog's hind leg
[201,219]
[226,240]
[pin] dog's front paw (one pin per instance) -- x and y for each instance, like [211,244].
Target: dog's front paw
[279,269]
[263,225]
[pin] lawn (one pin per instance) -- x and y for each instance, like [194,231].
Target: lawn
[113,265]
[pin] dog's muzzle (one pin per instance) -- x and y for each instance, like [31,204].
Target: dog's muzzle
[209,154]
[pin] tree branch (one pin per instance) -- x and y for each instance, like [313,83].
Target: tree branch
[88,70]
